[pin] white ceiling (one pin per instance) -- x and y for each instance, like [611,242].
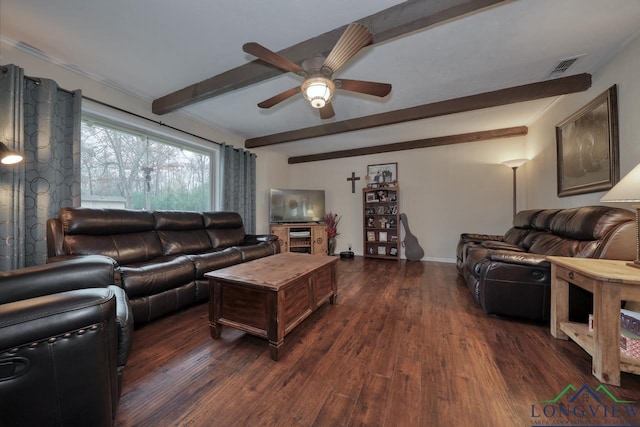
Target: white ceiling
[151,48]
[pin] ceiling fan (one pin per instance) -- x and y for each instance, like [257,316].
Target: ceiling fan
[318,86]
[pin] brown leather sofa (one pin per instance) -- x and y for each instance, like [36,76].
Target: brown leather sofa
[509,274]
[65,336]
[162,256]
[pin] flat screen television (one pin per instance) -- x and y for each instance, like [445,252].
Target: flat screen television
[287,205]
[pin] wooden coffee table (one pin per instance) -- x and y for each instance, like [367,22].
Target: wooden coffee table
[270,296]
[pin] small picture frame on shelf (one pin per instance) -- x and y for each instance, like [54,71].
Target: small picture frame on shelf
[393,251]
[392,223]
[393,197]
[371,197]
[382,250]
[394,238]
[394,209]
[370,222]
[382,236]
[380,210]
[371,236]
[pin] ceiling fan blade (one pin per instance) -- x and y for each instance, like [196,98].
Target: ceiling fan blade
[354,38]
[361,86]
[268,103]
[327,112]
[272,58]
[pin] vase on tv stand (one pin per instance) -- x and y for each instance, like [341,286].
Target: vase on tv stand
[332,246]
[331,220]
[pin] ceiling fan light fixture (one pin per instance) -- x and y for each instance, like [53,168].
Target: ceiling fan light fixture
[318,91]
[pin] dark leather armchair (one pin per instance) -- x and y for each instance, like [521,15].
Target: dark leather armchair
[65,336]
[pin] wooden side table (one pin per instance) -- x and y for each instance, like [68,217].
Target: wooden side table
[610,282]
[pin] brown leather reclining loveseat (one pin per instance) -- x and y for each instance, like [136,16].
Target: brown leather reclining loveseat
[509,275]
[162,256]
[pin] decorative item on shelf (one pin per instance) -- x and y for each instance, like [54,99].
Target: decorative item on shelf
[383,195]
[332,220]
[628,191]
[630,333]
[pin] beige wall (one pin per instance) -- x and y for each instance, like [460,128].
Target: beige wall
[444,191]
[540,172]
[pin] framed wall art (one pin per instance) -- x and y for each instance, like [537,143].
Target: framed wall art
[587,147]
[382,175]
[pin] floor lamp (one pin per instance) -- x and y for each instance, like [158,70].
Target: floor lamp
[514,164]
[8,156]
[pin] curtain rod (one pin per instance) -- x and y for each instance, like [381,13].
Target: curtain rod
[158,122]
[122,110]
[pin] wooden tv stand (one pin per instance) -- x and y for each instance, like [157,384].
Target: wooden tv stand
[308,237]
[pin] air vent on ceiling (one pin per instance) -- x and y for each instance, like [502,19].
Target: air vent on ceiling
[563,65]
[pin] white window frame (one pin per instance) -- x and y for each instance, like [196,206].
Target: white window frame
[128,122]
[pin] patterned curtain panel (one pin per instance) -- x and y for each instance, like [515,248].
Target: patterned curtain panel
[42,121]
[239,184]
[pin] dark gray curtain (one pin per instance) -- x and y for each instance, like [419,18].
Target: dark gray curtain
[239,184]
[41,121]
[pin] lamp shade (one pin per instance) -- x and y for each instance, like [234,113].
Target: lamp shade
[318,90]
[9,157]
[627,190]
[515,163]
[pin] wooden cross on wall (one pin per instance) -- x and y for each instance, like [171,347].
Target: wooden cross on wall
[353,180]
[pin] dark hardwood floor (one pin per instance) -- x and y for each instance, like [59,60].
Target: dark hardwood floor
[405,345]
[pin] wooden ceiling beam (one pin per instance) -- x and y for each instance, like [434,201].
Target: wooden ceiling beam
[529,92]
[395,21]
[412,145]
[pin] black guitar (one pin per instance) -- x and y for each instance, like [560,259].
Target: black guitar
[412,249]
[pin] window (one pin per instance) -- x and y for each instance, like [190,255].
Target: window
[127,167]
